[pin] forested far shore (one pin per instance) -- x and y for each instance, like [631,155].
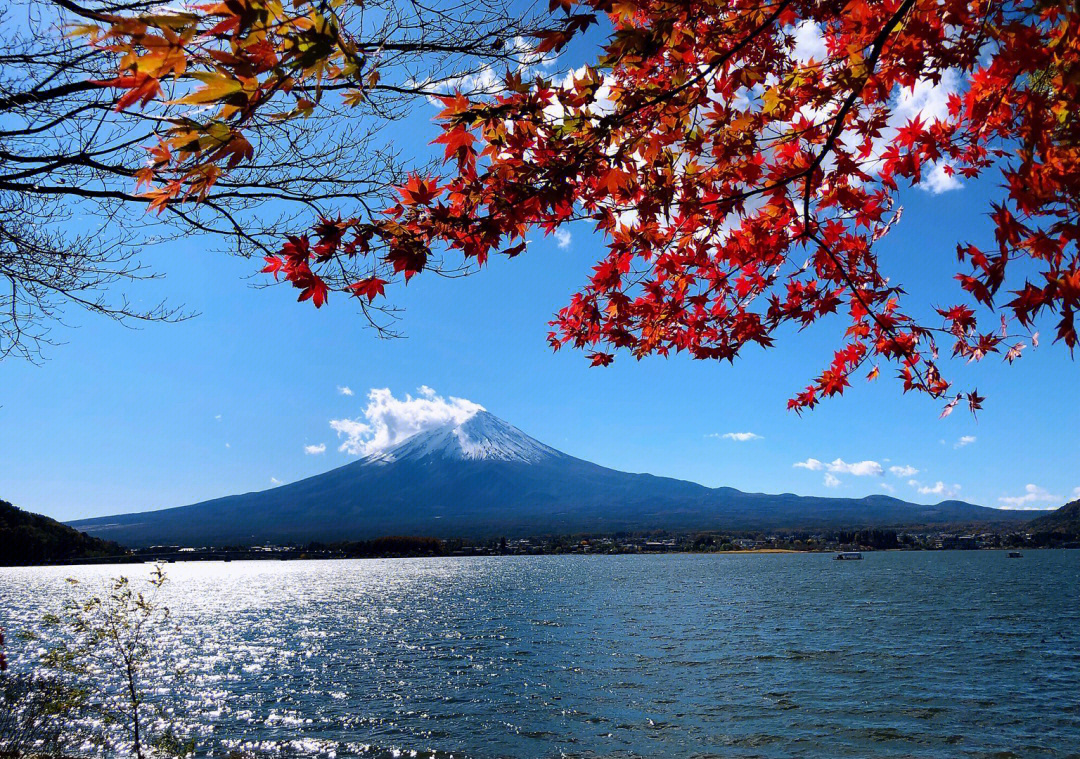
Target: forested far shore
[31,539]
[660,542]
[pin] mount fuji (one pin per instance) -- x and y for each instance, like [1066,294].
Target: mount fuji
[483,477]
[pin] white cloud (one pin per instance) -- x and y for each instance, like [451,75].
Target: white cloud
[275,481]
[940,181]
[928,100]
[831,481]
[1076,493]
[487,80]
[839,466]
[345,390]
[740,437]
[354,431]
[313,450]
[857,468]
[809,43]
[218,417]
[1032,494]
[903,471]
[228,446]
[938,488]
[387,421]
[563,238]
[965,440]
[601,103]
[887,487]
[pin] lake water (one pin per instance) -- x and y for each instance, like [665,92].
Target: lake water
[901,654]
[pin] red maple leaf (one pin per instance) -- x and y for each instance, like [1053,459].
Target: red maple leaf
[369,288]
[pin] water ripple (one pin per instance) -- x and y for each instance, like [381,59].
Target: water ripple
[903,654]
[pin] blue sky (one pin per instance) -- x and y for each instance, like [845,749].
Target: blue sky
[121,419]
[124,420]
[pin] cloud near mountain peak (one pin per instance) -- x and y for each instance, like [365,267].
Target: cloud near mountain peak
[387,421]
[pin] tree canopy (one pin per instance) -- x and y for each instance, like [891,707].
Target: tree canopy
[27,538]
[740,177]
[89,180]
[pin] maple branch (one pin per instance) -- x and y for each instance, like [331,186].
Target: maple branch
[36,96]
[877,47]
[718,63]
[912,355]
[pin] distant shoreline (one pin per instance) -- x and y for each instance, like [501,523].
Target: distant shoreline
[247,557]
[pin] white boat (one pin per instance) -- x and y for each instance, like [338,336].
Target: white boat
[848,556]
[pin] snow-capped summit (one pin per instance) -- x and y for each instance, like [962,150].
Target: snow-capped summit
[483,436]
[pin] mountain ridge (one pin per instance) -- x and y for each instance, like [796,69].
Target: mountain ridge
[483,477]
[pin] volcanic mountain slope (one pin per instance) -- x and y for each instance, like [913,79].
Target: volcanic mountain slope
[486,478]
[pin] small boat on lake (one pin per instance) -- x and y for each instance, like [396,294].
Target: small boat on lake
[848,556]
[1015,555]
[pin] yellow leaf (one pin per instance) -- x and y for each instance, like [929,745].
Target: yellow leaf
[742,123]
[219,132]
[750,76]
[859,69]
[304,107]
[624,11]
[218,87]
[81,30]
[772,100]
[170,20]
[162,61]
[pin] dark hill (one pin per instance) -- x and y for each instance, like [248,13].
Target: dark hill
[27,539]
[1064,521]
[486,478]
